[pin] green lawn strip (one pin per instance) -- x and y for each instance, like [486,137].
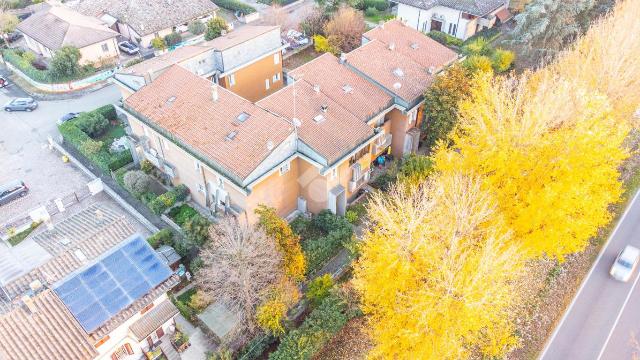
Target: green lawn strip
[17,238]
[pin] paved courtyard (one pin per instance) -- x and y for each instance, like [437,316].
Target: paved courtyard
[24,154]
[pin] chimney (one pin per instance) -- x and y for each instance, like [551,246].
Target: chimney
[343,58]
[148,77]
[316,88]
[28,302]
[392,46]
[324,108]
[35,286]
[214,92]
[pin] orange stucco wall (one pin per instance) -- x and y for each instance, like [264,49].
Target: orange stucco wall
[250,80]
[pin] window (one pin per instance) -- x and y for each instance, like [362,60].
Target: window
[452,29]
[412,117]
[362,152]
[105,47]
[266,84]
[201,188]
[468,16]
[333,174]
[276,77]
[197,164]
[285,168]
[276,58]
[232,79]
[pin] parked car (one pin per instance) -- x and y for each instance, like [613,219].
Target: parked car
[21,104]
[67,117]
[11,191]
[128,47]
[625,263]
[13,36]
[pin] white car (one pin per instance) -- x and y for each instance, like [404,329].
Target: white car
[625,263]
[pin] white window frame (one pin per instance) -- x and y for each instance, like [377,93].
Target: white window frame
[285,168]
[105,47]
[276,77]
[333,174]
[201,188]
[197,165]
[266,84]
[276,58]
[232,79]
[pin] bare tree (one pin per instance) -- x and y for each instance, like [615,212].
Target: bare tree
[241,265]
[345,29]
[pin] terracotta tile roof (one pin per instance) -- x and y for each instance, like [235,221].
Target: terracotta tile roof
[342,85]
[50,333]
[148,16]
[402,60]
[181,104]
[83,233]
[58,26]
[333,133]
[152,320]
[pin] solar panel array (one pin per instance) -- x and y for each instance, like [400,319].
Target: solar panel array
[112,283]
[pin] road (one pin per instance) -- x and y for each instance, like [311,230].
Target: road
[25,156]
[602,322]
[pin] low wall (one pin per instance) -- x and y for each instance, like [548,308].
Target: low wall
[66,86]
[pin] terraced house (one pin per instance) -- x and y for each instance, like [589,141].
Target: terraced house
[90,287]
[304,148]
[247,61]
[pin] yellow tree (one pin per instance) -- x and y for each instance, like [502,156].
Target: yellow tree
[435,274]
[549,154]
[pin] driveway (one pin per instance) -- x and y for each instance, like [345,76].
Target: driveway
[602,321]
[24,153]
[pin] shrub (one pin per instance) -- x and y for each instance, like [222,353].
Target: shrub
[355,212]
[478,46]
[108,111]
[235,5]
[215,27]
[197,27]
[120,159]
[371,11]
[158,43]
[185,310]
[91,147]
[502,60]
[380,5]
[168,199]
[196,230]
[478,63]
[133,62]
[317,329]
[29,57]
[334,231]
[445,39]
[147,166]
[199,301]
[172,39]
[270,316]
[415,169]
[162,237]
[195,265]
[319,288]
[137,182]
[92,123]
[321,44]
[256,347]
[65,63]
[180,214]
[384,181]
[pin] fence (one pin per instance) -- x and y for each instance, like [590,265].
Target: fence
[66,86]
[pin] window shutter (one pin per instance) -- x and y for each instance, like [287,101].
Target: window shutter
[127,346]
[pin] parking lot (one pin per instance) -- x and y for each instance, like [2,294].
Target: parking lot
[25,155]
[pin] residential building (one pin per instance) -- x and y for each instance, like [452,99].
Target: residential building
[247,61]
[459,18]
[53,27]
[143,20]
[89,287]
[304,148]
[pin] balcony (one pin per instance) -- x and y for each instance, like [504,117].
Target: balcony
[382,143]
[357,183]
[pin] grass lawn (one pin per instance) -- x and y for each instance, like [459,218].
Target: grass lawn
[112,133]
[379,17]
[17,238]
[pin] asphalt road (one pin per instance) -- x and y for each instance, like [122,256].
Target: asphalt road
[24,154]
[603,321]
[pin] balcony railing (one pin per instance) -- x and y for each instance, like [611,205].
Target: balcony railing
[357,183]
[382,143]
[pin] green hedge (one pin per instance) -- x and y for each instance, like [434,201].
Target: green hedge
[256,347]
[445,39]
[322,237]
[13,57]
[380,5]
[168,199]
[316,330]
[235,5]
[120,159]
[162,237]
[108,111]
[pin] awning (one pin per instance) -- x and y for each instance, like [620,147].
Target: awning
[504,15]
[152,320]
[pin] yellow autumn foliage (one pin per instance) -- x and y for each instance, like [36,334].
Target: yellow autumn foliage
[436,276]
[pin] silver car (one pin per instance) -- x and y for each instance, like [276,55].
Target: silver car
[21,104]
[625,263]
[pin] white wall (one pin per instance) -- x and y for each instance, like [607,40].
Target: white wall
[248,51]
[420,19]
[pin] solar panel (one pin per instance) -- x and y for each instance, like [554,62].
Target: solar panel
[112,282]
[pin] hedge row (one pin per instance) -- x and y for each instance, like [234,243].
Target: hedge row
[42,76]
[235,5]
[444,38]
[316,330]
